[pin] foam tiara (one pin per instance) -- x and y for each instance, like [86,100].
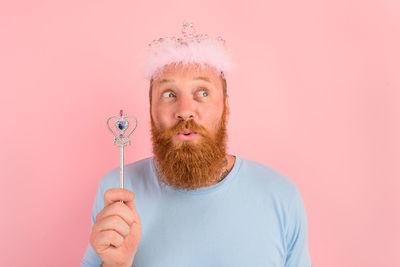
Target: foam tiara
[190,48]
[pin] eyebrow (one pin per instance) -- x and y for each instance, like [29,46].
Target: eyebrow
[202,78]
[194,79]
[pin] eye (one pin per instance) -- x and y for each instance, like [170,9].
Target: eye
[168,94]
[203,93]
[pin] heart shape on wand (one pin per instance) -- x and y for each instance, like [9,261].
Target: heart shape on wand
[121,125]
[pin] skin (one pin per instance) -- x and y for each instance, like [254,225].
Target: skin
[184,97]
[117,232]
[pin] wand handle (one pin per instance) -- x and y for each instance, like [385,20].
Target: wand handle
[121,167]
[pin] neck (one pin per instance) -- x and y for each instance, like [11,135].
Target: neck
[228,165]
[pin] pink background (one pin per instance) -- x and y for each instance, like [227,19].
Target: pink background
[315,95]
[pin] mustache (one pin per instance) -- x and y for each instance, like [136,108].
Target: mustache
[183,125]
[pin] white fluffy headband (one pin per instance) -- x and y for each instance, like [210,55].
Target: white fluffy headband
[191,48]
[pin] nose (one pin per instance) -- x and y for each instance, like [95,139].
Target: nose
[185,109]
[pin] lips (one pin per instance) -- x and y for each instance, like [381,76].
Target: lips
[187,135]
[187,132]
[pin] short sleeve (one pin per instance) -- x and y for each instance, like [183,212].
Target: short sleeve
[90,258]
[297,234]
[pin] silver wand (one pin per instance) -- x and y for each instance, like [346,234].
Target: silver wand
[121,125]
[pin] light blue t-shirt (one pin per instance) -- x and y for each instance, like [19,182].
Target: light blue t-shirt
[254,217]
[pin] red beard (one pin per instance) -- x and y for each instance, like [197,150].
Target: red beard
[187,165]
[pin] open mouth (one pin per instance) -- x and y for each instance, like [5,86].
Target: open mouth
[187,135]
[187,132]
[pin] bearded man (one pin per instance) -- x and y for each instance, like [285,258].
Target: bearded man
[192,204]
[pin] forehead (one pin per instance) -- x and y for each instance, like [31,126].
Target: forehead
[176,72]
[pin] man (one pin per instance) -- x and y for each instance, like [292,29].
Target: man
[195,205]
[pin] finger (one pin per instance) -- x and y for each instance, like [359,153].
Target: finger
[115,223]
[131,205]
[118,209]
[116,194]
[105,239]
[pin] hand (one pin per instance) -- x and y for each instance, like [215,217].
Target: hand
[116,234]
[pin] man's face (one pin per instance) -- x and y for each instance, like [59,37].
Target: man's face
[188,126]
[184,93]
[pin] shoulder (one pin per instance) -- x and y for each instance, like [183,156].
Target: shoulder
[266,179]
[133,173]
[274,188]
[265,174]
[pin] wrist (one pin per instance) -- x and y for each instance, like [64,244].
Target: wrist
[116,265]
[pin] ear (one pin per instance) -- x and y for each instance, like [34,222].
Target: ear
[228,109]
